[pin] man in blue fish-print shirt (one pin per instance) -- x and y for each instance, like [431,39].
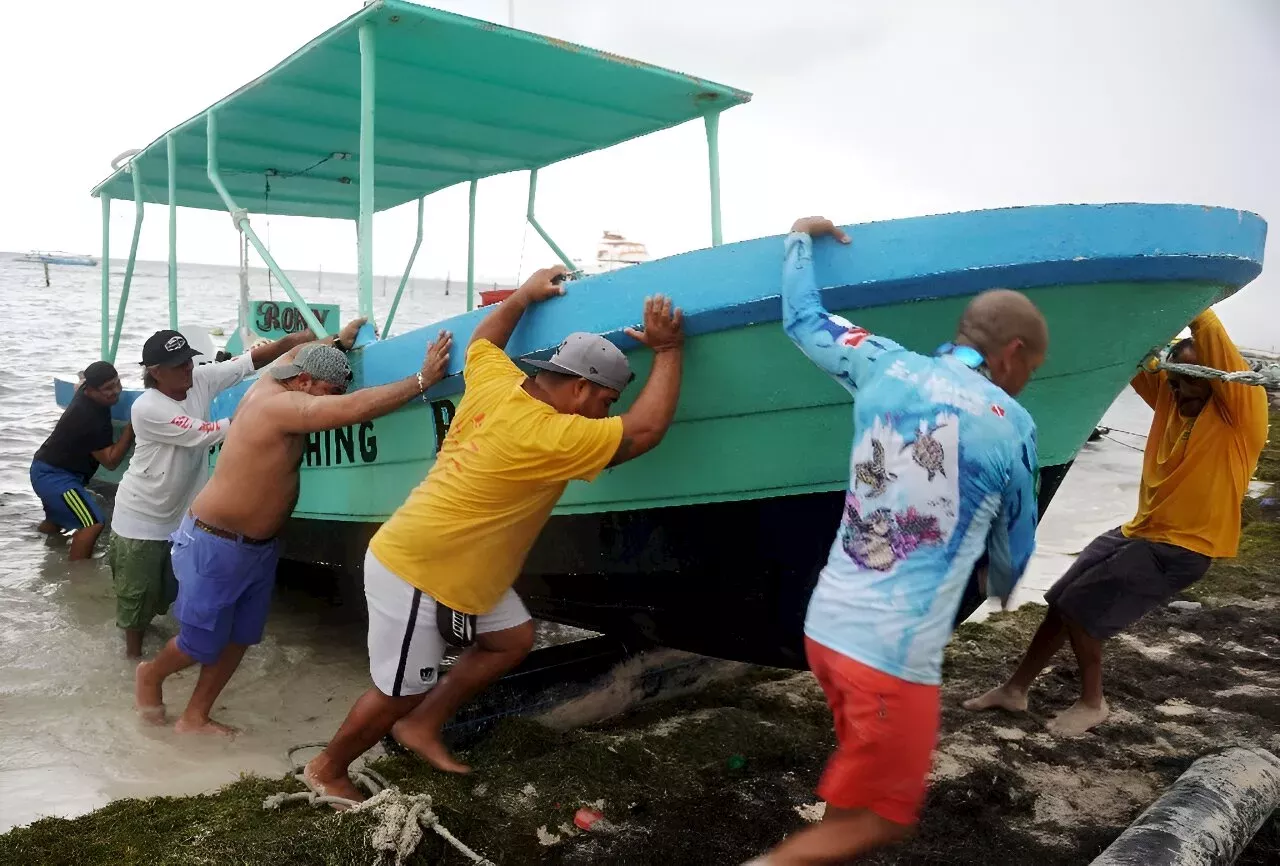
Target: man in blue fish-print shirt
[943,472]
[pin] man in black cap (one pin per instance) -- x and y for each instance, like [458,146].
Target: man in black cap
[66,461]
[171,464]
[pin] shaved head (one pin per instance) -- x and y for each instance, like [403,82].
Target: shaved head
[1010,333]
[997,317]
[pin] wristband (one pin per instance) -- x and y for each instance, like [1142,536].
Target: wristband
[337,344]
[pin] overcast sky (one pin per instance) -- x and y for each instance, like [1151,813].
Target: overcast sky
[863,109]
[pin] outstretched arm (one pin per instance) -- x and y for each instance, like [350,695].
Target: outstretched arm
[225,374]
[113,454]
[844,350]
[179,428]
[498,325]
[649,417]
[297,412]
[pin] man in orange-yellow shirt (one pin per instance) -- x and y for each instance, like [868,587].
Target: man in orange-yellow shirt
[1201,452]
[440,571]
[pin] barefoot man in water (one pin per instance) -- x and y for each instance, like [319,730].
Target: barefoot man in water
[1202,449]
[441,569]
[225,551]
[942,471]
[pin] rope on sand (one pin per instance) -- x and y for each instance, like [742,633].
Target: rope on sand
[401,817]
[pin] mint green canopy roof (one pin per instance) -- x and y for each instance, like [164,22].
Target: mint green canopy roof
[457,99]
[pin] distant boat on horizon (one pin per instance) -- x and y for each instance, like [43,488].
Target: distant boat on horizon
[57,257]
[614,251]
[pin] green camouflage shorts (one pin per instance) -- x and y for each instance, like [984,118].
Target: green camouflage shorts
[143,578]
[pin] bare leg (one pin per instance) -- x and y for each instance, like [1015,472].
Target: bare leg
[48,527]
[492,655]
[367,723]
[133,643]
[82,541]
[213,679]
[1091,710]
[841,835]
[148,680]
[1049,638]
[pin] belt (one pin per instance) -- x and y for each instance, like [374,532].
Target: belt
[224,533]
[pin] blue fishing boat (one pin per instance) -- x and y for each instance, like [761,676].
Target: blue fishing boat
[713,542]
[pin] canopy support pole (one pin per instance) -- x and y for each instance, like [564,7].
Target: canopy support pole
[533,221]
[241,220]
[471,248]
[364,237]
[713,162]
[139,210]
[106,275]
[404,280]
[171,149]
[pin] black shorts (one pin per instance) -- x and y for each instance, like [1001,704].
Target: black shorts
[1117,580]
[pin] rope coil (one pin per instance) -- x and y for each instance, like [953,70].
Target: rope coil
[401,817]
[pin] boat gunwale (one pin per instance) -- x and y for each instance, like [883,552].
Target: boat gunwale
[1214,261]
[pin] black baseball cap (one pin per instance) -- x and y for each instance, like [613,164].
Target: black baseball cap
[98,374]
[167,349]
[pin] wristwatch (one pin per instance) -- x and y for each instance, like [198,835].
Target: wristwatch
[337,344]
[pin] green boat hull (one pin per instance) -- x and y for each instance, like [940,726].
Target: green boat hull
[749,395]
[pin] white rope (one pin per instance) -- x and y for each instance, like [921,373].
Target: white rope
[1266,375]
[401,817]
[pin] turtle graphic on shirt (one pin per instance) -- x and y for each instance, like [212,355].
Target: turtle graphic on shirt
[927,451]
[871,541]
[872,472]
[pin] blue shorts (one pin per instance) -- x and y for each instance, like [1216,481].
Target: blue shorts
[224,590]
[65,500]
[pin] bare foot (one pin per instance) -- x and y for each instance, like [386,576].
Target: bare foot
[1004,698]
[203,726]
[1078,719]
[426,745]
[148,695]
[330,784]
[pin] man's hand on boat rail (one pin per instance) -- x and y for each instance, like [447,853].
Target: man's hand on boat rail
[543,285]
[663,325]
[816,227]
[347,336]
[437,360]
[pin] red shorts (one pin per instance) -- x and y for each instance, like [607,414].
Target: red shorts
[886,729]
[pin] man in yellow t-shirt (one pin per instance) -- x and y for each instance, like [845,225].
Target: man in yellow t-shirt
[1202,450]
[441,569]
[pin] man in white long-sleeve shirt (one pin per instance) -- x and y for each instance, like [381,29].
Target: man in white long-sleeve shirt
[170,464]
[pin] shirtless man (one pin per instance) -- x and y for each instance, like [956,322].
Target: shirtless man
[225,551]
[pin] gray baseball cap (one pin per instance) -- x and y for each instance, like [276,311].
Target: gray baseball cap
[320,362]
[591,357]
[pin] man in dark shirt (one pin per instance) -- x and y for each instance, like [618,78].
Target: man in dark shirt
[66,461]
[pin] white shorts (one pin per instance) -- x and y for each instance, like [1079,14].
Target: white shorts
[405,646]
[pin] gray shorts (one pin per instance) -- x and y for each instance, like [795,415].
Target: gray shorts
[1117,580]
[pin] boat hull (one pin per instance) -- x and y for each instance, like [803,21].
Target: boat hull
[749,396]
[712,542]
